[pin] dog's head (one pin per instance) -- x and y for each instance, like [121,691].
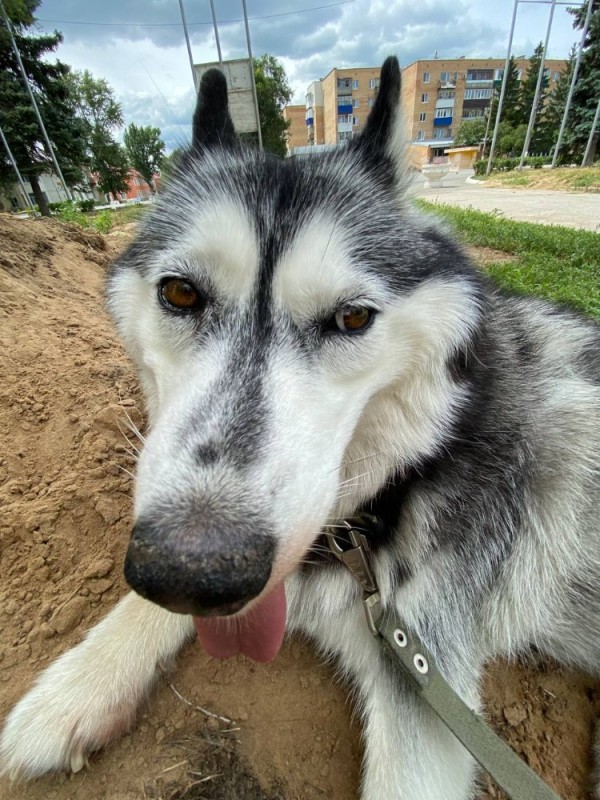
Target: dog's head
[293,323]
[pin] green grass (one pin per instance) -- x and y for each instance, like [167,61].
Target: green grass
[560,264]
[102,221]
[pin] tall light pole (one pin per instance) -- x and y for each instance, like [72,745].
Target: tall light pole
[16,169]
[33,101]
[503,89]
[538,89]
[260,143]
[187,41]
[563,124]
[216,29]
[588,149]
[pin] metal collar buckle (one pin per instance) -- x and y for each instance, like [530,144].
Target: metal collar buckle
[356,558]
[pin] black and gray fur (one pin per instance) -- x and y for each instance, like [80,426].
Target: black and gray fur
[467,418]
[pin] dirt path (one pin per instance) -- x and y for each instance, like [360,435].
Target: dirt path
[66,391]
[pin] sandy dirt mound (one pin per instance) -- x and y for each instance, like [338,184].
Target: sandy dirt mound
[67,396]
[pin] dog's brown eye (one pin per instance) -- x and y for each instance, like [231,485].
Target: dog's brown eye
[351,319]
[180,295]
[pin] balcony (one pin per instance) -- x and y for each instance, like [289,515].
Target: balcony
[442,122]
[344,107]
[446,84]
[310,121]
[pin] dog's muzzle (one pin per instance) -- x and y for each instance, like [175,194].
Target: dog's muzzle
[200,569]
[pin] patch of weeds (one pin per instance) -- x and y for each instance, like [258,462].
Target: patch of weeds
[557,263]
[103,221]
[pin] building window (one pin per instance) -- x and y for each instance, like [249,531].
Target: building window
[423,116]
[499,74]
[557,76]
[371,102]
[344,136]
[426,77]
[344,119]
[344,83]
[440,113]
[374,83]
[420,136]
[448,76]
[480,75]
[355,121]
[447,94]
[478,94]
[474,112]
[355,84]
[442,133]
[425,97]
[355,102]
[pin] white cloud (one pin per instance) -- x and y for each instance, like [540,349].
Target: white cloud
[147,62]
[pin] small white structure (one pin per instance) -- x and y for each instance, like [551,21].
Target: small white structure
[238,73]
[434,174]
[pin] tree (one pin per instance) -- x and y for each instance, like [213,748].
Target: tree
[273,93]
[528,86]
[170,163]
[102,116]
[49,86]
[470,132]
[546,132]
[146,150]
[587,88]
[510,108]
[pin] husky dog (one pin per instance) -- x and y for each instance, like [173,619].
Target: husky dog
[309,347]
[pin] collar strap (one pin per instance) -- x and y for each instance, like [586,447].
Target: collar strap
[348,540]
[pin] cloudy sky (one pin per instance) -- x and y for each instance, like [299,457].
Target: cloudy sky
[138,45]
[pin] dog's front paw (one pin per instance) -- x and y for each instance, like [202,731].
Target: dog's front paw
[75,707]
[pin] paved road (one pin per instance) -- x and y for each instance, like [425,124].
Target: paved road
[529,205]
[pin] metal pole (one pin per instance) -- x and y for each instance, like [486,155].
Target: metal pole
[187,41]
[260,144]
[563,124]
[503,89]
[33,102]
[538,88]
[588,149]
[217,40]
[16,169]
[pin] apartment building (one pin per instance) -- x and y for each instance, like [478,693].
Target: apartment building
[437,95]
[296,133]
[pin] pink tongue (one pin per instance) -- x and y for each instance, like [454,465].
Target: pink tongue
[257,634]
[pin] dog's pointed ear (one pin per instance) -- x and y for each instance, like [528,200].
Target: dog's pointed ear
[384,129]
[212,124]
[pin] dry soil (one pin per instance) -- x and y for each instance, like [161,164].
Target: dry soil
[67,392]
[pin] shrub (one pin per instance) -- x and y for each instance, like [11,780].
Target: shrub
[85,205]
[103,221]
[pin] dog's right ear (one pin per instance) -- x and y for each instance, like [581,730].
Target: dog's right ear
[212,125]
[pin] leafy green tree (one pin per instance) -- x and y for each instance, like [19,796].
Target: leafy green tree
[170,163]
[102,116]
[145,149]
[273,92]
[470,132]
[510,108]
[510,139]
[528,86]
[546,132]
[587,88]
[49,85]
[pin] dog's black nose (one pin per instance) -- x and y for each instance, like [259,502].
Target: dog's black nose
[200,569]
